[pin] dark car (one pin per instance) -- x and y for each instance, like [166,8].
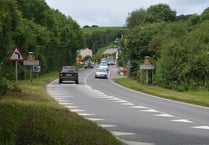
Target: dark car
[68,73]
[88,64]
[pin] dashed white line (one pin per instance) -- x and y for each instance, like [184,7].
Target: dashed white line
[95,119]
[65,103]
[107,125]
[72,107]
[201,127]
[138,107]
[150,110]
[127,104]
[182,120]
[121,101]
[164,115]
[76,110]
[85,114]
[116,133]
[135,143]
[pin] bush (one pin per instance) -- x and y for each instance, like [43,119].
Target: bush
[3,86]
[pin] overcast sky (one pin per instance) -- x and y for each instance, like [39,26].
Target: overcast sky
[115,12]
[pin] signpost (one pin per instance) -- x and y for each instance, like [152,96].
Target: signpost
[147,66]
[33,63]
[16,56]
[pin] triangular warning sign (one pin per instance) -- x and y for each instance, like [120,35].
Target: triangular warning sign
[16,55]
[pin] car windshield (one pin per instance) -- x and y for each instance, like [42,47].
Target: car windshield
[103,64]
[101,70]
[68,70]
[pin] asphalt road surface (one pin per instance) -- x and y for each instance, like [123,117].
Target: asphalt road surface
[133,117]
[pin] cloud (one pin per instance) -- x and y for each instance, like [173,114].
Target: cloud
[115,12]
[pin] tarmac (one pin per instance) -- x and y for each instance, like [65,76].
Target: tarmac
[115,72]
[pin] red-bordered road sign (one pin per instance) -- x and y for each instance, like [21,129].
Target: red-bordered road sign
[16,55]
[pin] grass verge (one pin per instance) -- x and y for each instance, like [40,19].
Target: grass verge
[193,97]
[31,117]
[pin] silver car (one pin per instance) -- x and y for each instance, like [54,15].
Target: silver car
[101,73]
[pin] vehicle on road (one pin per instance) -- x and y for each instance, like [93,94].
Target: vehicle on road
[88,64]
[68,73]
[104,65]
[101,73]
[110,62]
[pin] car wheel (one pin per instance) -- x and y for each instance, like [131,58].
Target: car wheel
[60,81]
[77,82]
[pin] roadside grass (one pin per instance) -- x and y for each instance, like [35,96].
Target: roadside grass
[31,117]
[200,97]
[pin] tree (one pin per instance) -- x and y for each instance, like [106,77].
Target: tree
[135,18]
[160,12]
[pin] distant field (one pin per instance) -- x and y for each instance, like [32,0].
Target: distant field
[93,29]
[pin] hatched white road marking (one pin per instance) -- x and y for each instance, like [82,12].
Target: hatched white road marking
[77,110]
[121,101]
[116,133]
[127,103]
[135,143]
[138,107]
[182,120]
[72,107]
[102,97]
[86,114]
[150,110]
[114,99]
[95,119]
[201,127]
[107,125]
[164,115]
[65,103]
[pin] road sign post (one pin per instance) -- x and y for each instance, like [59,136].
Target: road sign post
[16,56]
[31,62]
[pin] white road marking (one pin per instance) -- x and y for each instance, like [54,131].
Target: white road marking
[164,115]
[150,110]
[116,133]
[182,120]
[135,143]
[128,104]
[201,127]
[102,97]
[85,114]
[72,107]
[76,110]
[107,125]
[114,99]
[95,119]
[138,107]
[65,103]
[121,101]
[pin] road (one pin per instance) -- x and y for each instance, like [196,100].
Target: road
[133,117]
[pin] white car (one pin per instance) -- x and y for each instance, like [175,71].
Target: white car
[104,65]
[101,73]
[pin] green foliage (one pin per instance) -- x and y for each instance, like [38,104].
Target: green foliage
[155,13]
[34,27]
[178,48]
[32,117]
[99,39]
